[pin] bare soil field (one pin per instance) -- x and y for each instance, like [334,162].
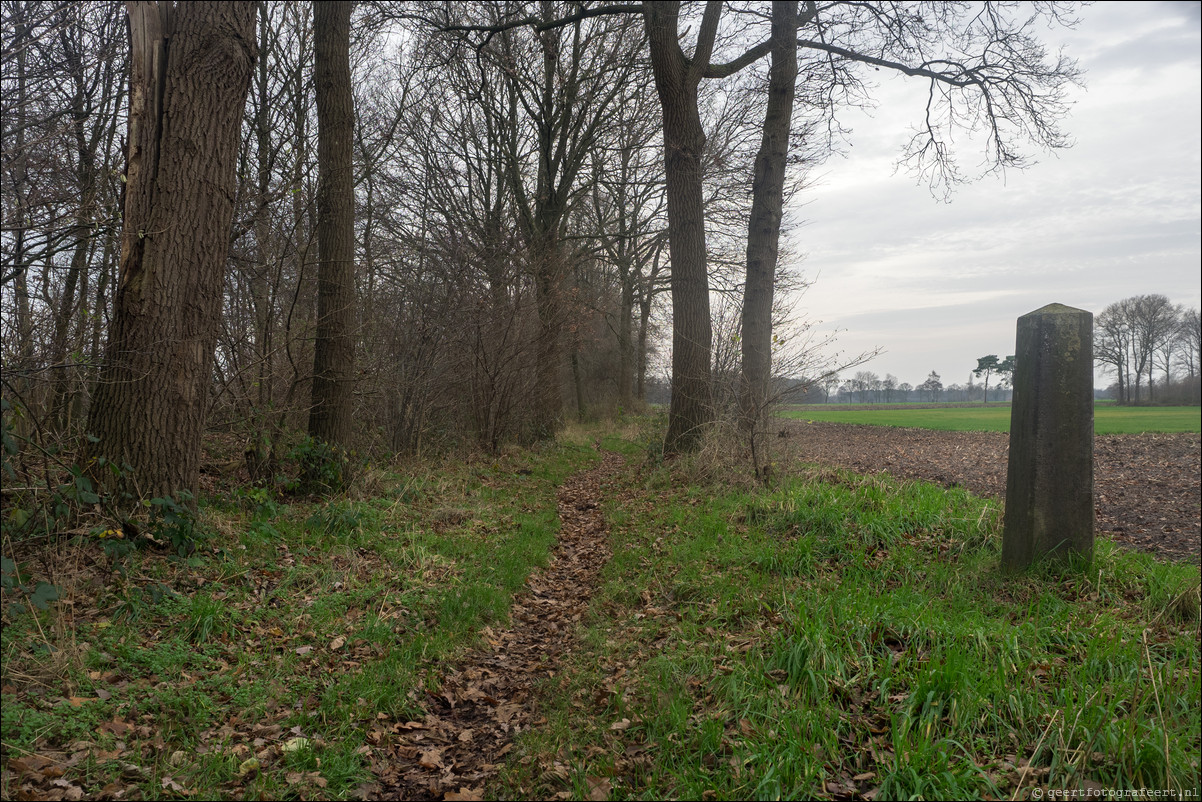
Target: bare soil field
[1147,487]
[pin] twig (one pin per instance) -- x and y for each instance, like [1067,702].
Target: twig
[1027,768]
[1159,711]
[7,745]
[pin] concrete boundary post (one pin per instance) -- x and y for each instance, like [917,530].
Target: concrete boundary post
[1049,481]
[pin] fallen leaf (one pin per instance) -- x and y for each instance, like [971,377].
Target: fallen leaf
[248,767]
[465,794]
[598,788]
[295,745]
[338,643]
[171,785]
[303,650]
[28,764]
[70,790]
[621,725]
[431,759]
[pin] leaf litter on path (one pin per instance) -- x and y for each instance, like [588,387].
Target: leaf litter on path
[486,699]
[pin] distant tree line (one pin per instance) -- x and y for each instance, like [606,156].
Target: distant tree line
[1151,347]
[866,387]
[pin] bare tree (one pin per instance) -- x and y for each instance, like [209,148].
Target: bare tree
[995,75]
[628,208]
[1113,345]
[63,106]
[1191,344]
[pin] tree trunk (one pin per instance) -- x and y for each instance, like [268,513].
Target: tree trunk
[547,414]
[85,174]
[331,414]
[625,339]
[677,80]
[640,381]
[185,115]
[767,204]
[20,264]
[576,382]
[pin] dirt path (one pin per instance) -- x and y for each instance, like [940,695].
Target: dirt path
[485,699]
[1147,487]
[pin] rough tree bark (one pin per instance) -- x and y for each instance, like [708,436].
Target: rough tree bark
[331,414]
[186,104]
[677,79]
[763,230]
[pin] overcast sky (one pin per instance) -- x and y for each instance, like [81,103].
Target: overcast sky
[938,285]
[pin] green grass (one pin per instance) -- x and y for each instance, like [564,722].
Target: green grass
[830,636]
[840,634]
[996,418]
[329,619]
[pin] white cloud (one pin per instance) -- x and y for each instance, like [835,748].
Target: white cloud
[1119,214]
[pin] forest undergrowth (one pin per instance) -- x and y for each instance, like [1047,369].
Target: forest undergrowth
[829,635]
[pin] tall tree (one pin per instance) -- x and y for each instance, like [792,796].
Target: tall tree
[331,415]
[933,386]
[1155,321]
[186,104]
[1112,345]
[628,204]
[677,78]
[986,366]
[767,211]
[1191,344]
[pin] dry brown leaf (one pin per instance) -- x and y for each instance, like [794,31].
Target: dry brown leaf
[70,790]
[598,788]
[169,784]
[624,724]
[465,794]
[431,759]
